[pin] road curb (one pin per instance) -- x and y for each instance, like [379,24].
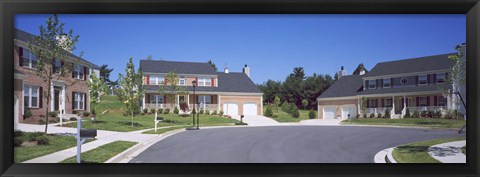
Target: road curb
[396,126]
[385,156]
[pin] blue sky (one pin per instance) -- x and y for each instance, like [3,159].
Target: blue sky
[272,45]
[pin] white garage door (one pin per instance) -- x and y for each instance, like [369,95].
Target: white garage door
[230,109]
[249,109]
[329,112]
[349,109]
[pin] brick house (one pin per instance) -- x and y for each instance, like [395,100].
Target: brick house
[413,84]
[234,93]
[29,88]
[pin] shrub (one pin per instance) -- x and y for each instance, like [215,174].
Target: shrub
[201,111]
[416,114]
[145,110]
[437,114]
[275,116]
[220,113]
[41,121]
[160,110]
[28,113]
[241,123]
[94,112]
[311,114]
[268,112]
[52,114]
[17,142]
[73,119]
[33,136]
[86,114]
[296,114]
[372,115]
[364,115]
[43,140]
[176,111]
[379,115]
[214,112]
[407,114]
[166,111]
[53,120]
[387,113]
[423,114]
[430,113]
[358,116]
[17,133]
[153,111]
[183,106]
[142,113]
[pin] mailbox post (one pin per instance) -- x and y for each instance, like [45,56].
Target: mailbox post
[82,136]
[157,120]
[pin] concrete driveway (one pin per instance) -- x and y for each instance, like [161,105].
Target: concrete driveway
[258,120]
[284,144]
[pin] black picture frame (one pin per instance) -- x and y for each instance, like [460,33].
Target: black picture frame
[8,8]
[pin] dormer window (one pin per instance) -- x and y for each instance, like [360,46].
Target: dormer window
[182,81]
[422,80]
[156,80]
[372,84]
[204,82]
[387,83]
[441,78]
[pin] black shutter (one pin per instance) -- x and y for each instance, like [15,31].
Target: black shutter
[416,80]
[20,56]
[391,83]
[376,103]
[85,101]
[428,100]
[147,98]
[54,66]
[383,102]
[417,101]
[73,71]
[368,103]
[84,73]
[434,78]
[73,101]
[435,101]
[40,97]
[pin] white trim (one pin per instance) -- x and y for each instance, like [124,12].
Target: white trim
[405,74]
[426,80]
[216,93]
[338,98]
[261,105]
[389,80]
[181,74]
[370,84]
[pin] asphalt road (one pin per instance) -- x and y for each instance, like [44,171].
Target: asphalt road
[284,144]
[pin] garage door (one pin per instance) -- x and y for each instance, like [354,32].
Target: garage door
[230,109]
[249,109]
[349,109]
[329,112]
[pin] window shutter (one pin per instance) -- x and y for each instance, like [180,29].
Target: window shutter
[85,101]
[376,103]
[428,79]
[147,78]
[417,101]
[40,97]
[434,78]
[85,72]
[54,68]
[416,80]
[196,80]
[20,56]
[381,83]
[368,103]
[391,83]
[213,82]
[147,98]
[383,103]
[435,101]
[73,75]
[73,100]
[428,101]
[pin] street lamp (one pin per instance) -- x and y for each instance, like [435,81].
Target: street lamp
[463,102]
[194,84]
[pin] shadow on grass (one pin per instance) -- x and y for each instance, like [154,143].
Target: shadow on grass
[135,124]
[98,122]
[413,149]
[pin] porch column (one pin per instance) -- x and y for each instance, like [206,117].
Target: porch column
[393,104]
[358,106]
[404,101]
[218,103]
[143,101]
[177,100]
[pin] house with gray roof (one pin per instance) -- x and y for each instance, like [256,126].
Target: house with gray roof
[233,93]
[417,84]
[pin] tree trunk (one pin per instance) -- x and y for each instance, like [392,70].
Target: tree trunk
[132,117]
[48,104]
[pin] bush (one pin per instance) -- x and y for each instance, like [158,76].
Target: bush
[214,112]
[17,133]
[437,114]
[33,136]
[296,114]
[201,111]
[311,114]
[176,111]
[423,114]
[416,114]
[387,113]
[220,113]
[358,116]
[166,111]
[289,108]
[28,113]
[153,111]
[407,114]
[275,116]
[145,110]
[86,114]
[241,123]
[364,115]
[52,114]
[379,115]
[268,112]
[73,119]
[17,142]
[207,112]
[160,110]
[372,115]
[430,113]
[43,140]
[41,121]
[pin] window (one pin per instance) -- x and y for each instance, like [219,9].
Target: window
[156,80]
[205,99]
[441,101]
[404,81]
[387,83]
[78,101]
[182,81]
[441,78]
[372,84]
[422,80]
[387,102]
[31,96]
[78,72]
[156,99]
[372,103]
[29,59]
[57,65]
[423,101]
[204,82]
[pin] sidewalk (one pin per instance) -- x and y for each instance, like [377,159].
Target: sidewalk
[103,137]
[448,152]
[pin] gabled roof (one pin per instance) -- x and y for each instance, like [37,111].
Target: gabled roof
[344,87]
[421,64]
[227,82]
[27,37]
[161,66]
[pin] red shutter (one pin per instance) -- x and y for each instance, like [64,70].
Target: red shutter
[428,101]
[435,101]
[147,78]
[213,82]
[196,80]
[40,97]
[20,56]
[85,70]
[417,101]
[147,98]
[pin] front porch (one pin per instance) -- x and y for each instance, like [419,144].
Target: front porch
[170,101]
[398,105]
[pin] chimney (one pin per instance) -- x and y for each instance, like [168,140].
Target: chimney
[226,70]
[362,72]
[246,70]
[342,72]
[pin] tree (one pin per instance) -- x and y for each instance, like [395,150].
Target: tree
[311,114]
[359,68]
[97,87]
[149,57]
[131,89]
[52,49]
[336,77]
[270,89]
[170,88]
[105,73]
[277,102]
[457,77]
[304,103]
[298,73]
[212,64]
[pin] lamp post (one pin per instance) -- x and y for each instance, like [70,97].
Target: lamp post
[194,83]
[463,102]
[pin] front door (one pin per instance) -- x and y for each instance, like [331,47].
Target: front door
[402,105]
[56,98]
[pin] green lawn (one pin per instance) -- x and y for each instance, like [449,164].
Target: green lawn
[102,153]
[163,130]
[286,117]
[464,150]
[418,122]
[115,121]
[418,152]
[57,143]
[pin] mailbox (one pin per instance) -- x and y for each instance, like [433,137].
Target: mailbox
[88,133]
[159,118]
